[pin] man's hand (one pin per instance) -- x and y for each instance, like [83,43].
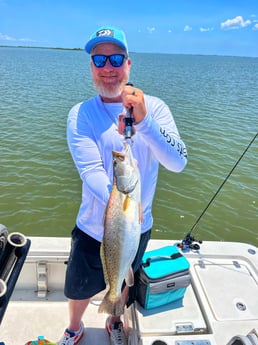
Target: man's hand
[134,98]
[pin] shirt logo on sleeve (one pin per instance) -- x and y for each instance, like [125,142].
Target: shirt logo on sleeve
[181,149]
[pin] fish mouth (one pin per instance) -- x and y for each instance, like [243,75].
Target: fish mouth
[119,155]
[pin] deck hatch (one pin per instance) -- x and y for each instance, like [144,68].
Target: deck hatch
[231,285]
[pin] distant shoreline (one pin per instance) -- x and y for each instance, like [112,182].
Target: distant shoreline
[33,47]
[81,49]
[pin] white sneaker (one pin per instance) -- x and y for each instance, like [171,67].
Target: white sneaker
[116,332]
[71,338]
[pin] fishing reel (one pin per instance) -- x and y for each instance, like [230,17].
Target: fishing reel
[129,131]
[189,242]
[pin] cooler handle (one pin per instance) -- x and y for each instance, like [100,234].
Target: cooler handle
[162,257]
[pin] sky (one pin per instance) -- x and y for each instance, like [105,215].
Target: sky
[207,27]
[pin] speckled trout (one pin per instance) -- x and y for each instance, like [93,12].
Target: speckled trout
[122,230]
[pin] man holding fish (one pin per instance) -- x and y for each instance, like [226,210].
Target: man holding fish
[117,140]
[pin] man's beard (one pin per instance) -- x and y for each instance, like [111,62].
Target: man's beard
[110,91]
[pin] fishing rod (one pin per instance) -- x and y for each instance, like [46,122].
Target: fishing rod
[128,120]
[188,241]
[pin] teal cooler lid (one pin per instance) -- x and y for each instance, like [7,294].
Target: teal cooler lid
[164,261]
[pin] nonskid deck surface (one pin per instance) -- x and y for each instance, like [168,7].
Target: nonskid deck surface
[26,321]
[219,303]
[49,317]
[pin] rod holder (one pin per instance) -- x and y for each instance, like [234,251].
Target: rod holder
[12,250]
[11,262]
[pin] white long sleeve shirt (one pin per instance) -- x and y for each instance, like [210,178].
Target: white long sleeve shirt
[92,134]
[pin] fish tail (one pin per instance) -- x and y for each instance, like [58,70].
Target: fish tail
[111,307]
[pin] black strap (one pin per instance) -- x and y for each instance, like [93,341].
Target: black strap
[164,257]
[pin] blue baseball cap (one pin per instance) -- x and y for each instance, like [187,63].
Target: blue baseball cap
[107,34]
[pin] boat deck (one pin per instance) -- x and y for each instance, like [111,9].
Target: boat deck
[220,303]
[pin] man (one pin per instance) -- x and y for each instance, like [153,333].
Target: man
[92,134]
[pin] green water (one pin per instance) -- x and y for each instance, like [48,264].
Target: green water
[213,99]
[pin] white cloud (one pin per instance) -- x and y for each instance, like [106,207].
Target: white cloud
[187,28]
[255,27]
[235,23]
[206,29]
[26,40]
[151,30]
[4,37]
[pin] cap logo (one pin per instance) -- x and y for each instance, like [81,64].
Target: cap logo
[105,32]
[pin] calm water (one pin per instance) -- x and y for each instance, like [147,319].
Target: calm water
[215,104]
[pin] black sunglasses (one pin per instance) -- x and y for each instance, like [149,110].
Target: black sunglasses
[116,60]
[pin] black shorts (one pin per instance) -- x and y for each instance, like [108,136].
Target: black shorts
[84,274]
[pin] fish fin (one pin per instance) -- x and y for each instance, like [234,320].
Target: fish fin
[140,213]
[102,255]
[112,307]
[129,279]
[126,203]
